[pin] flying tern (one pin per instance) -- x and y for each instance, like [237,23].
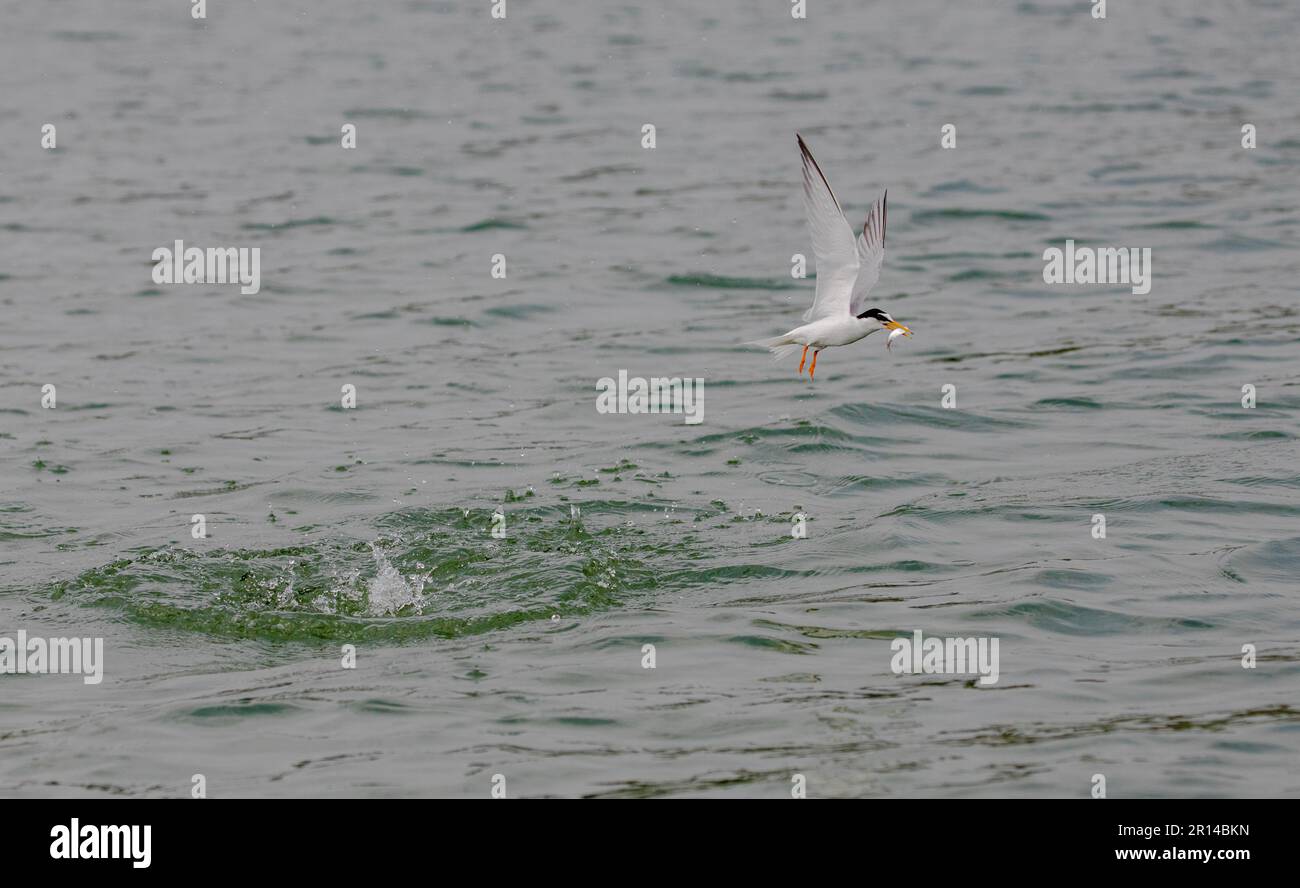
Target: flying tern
[847,269]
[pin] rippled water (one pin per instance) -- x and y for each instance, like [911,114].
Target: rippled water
[522,656]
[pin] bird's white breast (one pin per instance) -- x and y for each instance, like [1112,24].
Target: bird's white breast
[839,331]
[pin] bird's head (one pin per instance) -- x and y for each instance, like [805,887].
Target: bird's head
[886,322]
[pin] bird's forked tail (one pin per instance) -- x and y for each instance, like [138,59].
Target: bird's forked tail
[780,346]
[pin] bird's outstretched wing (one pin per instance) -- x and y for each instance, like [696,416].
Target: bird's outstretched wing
[832,240]
[871,253]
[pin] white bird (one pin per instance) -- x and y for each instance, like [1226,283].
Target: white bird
[847,269]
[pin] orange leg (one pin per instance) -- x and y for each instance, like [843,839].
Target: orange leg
[813,368]
[801,360]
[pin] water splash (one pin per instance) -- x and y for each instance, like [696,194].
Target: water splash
[416,573]
[389,592]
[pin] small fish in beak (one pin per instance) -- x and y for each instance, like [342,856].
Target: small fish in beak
[894,334]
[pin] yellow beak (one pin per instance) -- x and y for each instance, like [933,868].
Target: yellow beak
[894,325]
